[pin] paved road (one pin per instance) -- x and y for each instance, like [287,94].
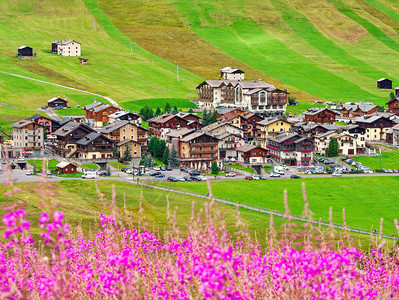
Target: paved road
[51,113]
[113,102]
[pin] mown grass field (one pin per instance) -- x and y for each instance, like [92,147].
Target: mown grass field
[50,164]
[366,199]
[388,160]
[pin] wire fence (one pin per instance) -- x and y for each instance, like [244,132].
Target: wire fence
[266,210]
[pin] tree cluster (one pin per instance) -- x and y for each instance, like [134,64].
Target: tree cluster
[209,117]
[147,112]
[157,147]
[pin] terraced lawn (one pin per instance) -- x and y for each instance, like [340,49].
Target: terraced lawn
[388,160]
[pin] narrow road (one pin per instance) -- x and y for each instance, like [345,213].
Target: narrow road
[113,102]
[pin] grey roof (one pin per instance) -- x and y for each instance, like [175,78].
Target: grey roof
[193,135]
[37,116]
[226,134]
[101,107]
[185,114]
[63,164]
[246,148]
[330,127]
[315,110]
[112,127]
[65,42]
[181,132]
[122,113]
[224,110]
[368,119]
[382,79]
[284,136]
[245,84]
[94,104]
[324,134]
[396,127]
[266,122]
[23,123]
[88,138]
[67,128]
[363,106]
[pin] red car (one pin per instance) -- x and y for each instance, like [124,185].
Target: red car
[395,171]
[249,178]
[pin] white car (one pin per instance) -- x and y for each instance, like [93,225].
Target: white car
[129,171]
[180,179]
[201,178]
[29,172]
[231,174]
[157,169]
[255,177]
[275,174]
[233,159]
[335,174]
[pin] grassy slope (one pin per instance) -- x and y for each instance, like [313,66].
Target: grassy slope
[365,200]
[144,74]
[388,160]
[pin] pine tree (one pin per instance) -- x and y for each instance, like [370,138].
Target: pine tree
[174,110]
[214,168]
[167,108]
[142,160]
[392,96]
[191,110]
[158,111]
[160,149]
[34,171]
[212,117]
[148,162]
[205,117]
[126,154]
[165,157]
[173,159]
[333,148]
[116,153]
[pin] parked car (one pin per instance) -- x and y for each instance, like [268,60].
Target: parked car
[231,174]
[44,107]
[29,172]
[103,173]
[201,178]
[255,177]
[336,174]
[195,178]
[154,173]
[294,176]
[48,172]
[129,171]
[180,179]
[187,178]
[172,179]
[160,176]
[183,169]
[157,169]
[233,159]
[262,177]
[168,168]
[249,178]
[275,174]
[395,171]
[194,172]
[162,168]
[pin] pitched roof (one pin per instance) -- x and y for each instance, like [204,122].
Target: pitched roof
[65,42]
[226,134]
[22,47]
[63,164]
[185,114]
[382,79]
[121,143]
[230,70]
[323,134]
[246,148]
[284,136]
[69,128]
[368,119]
[37,116]
[88,138]
[245,84]
[267,122]
[101,107]
[181,132]
[363,106]
[315,110]
[194,135]
[90,106]
[24,123]
[56,98]
[392,101]
[121,113]
[113,126]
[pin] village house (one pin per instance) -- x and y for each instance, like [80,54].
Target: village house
[160,126]
[321,142]
[174,136]
[229,73]
[219,127]
[255,95]
[89,110]
[395,135]
[270,128]
[123,115]
[375,126]
[310,130]
[220,111]
[46,122]
[134,148]
[198,150]
[66,48]
[29,137]
[25,52]
[351,110]
[291,149]
[319,115]
[393,106]
[126,130]
[359,134]
[251,154]
[384,84]
[239,121]
[228,143]
[101,113]
[189,116]
[94,146]
[66,167]
[67,136]
[57,102]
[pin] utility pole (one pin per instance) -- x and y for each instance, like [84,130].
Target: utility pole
[380,158]
[131,47]
[94,22]
[177,72]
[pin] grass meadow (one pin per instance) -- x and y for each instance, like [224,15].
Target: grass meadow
[366,199]
[388,160]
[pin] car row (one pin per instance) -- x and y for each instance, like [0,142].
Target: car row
[357,165]
[186,178]
[190,171]
[255,177]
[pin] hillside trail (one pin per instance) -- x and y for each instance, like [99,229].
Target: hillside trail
[113,102]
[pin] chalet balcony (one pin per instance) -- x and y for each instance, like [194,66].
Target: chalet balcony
[207,151]
[204,144]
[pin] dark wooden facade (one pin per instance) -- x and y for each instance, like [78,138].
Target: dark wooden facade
[169,122]
[393,106]
[68,169]
[254,153]
[57,102]
[95,143]
[323,116]
[384,84]
[25,51]
[68,135]
[198,150]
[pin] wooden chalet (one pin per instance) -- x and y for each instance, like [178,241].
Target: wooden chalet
[94,146]
[353,110]
[393,106]
[66,168]
[159,126]
[320,115]
[57,102]
[251,154]
[25,52]
[376,126]
[198,150]
[384,84]
[133,147]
